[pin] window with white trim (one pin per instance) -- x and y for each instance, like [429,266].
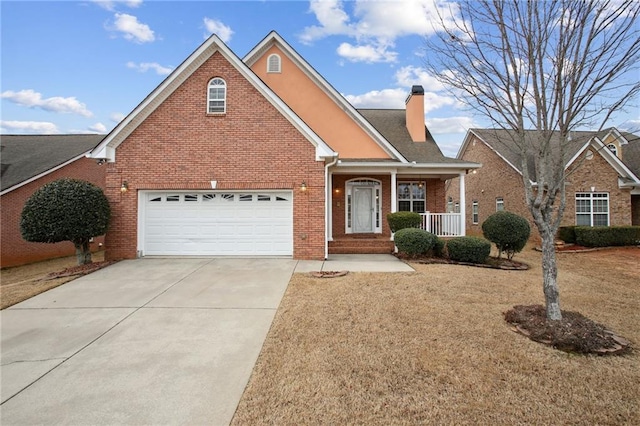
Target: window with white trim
[613,148]
[274,64]
[592,209]
[217,96]
[499,204]
[474,212]
[412,196]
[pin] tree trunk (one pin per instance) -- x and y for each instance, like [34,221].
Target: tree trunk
[83,253]
[550,277]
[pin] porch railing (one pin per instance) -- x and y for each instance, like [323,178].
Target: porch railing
[442,224]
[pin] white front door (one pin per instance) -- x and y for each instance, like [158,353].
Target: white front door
[363,209]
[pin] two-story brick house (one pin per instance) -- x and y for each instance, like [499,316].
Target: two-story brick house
[262,156]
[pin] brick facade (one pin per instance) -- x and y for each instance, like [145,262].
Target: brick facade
[497,179]
[14,250]
[251,146]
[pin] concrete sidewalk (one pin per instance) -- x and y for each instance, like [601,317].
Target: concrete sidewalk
[355,263]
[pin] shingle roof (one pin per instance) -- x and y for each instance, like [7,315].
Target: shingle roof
[26,156]
[391,123]
[502,142]
[631,152]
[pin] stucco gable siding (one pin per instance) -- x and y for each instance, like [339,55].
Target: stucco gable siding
[318,110]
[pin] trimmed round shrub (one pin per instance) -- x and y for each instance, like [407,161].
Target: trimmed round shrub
[469,249]
[66,210]
[403,220]
[438,247]
[508,231]
[567,234]
[414,241]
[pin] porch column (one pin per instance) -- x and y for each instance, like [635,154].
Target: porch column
[463,206]
[394,189]
[329,201]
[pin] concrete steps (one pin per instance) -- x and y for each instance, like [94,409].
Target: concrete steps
[361,244]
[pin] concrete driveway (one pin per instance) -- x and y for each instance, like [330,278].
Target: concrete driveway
[148,341]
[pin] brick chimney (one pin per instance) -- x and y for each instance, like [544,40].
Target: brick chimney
[415,114]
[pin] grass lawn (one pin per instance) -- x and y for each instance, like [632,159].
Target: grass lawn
[431,347]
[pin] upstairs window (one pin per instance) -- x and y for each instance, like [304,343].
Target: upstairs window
[613,148]
[217,96]
[273,63]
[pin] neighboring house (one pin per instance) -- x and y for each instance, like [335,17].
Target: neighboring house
[603,185]
[29,162]
[262,156]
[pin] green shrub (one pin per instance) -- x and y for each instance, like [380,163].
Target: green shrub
[469,249]
[567,234]
[414,241]
[403,220]
[607,236]
[438,247]
[508,231]
[66,210]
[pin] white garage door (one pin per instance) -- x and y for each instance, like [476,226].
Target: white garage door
[218,223]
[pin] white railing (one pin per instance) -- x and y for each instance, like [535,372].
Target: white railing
[442,224]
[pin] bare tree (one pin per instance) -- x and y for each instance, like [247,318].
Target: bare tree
[541,67]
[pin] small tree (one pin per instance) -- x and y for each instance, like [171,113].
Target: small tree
[508,231]
[66,210]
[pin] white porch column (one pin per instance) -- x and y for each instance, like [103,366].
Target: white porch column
[463,205]
[329,223]
[394,189]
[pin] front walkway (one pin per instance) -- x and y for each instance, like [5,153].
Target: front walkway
[355,263]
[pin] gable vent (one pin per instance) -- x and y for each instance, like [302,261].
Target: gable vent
[273,63]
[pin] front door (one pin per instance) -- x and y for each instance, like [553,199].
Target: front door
[363,209]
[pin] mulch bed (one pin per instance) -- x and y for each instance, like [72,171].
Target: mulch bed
[328,274]
[492,262]
[575,333]
[79,270]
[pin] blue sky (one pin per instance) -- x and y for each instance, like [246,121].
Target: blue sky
[81,66]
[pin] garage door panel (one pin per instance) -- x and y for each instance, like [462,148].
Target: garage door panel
[218,224]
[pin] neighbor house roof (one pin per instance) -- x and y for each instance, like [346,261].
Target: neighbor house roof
[28,157]
[631,152]
[502,142]
[392,124]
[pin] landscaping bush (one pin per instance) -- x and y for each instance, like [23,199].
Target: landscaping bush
[567,234]
[469,249]
[414,241]
[403,220]
[438,247]
[607,236]
[508,231]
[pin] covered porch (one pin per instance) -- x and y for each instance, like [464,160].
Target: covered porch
[360,196]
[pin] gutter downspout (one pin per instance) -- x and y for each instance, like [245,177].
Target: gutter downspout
[327,205]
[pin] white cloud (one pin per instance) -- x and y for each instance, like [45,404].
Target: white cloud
[98,128]
[387,98]
[111,5]
[33,99]
[37,127]
[146,66]
[116,117]
[449,125]
[410,75]
[366,53]
[132,29]
[214,26]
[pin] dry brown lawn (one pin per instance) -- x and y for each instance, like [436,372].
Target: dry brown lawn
[431,347]
[22,282]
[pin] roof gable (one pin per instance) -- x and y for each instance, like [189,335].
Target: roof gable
[28,157]
[501,142]
[213,44]
[338,108]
